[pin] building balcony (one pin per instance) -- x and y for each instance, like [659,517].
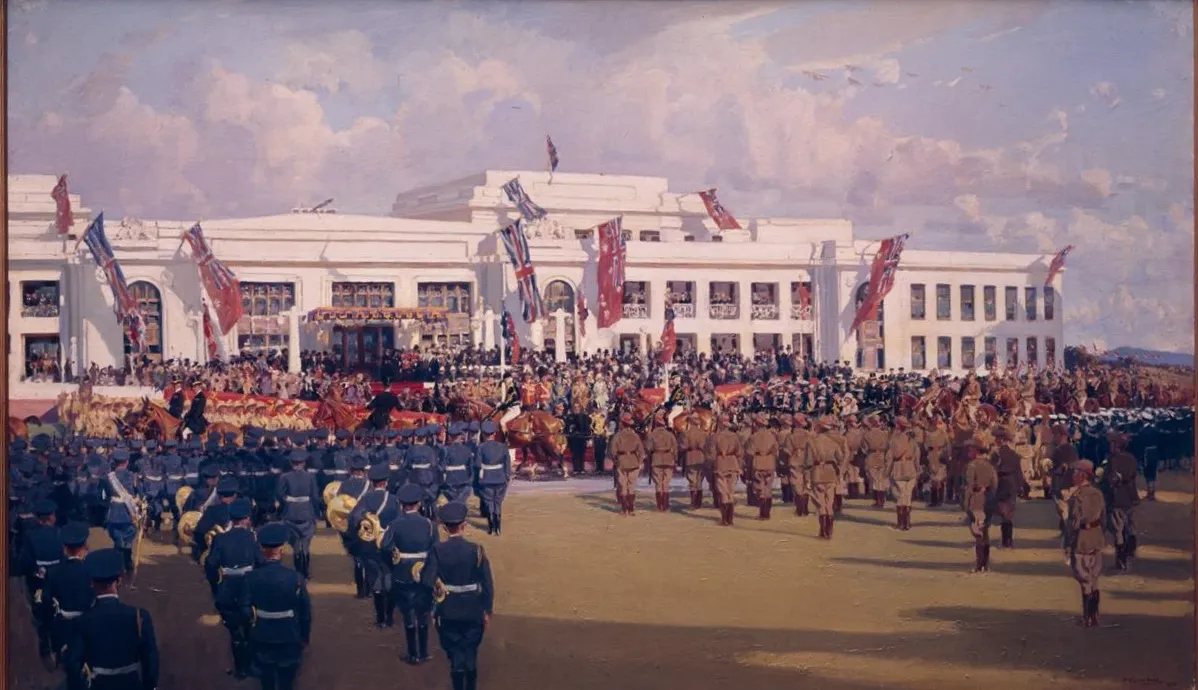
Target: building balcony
[684,311]
[799,312]
[636,311]
[724,311]
[764,312]
[40,311]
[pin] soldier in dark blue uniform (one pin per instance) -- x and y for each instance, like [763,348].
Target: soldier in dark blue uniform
[494,471]
[380,503]
[215,516]
[93,502]
[67,592]
[394,454]
[41,550]
[120,491]
[457,466]
[299,496]
[355,486]
[408,544]
[421,465]
[194,421]
[234,554]
[153,485]
[466,594]
[274,599]
[205,494]
[173,476]
[114,647]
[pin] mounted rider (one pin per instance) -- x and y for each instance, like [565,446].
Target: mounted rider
[971,396]
[194,424]
[678,402]
[510,407]
[927,401]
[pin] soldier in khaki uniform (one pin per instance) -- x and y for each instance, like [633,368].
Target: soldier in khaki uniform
[961,434]
[1043,454]
[1087,513]
[1064,455]
[836,432]
[1122,495]
[1006,464]
[902,467]
[744,430]
[874,446]
[693,442]
[762,451]
[936,455]
[855,436]
[785,431]
[628,457]
[662,448]
[794,445]
[726,459]
[823,461]
[981,482]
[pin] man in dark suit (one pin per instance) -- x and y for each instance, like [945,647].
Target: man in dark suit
[380,409]
[194,422]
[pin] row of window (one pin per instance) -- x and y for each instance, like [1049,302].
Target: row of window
[273,299]
[944,352]
[944,302]
[801,343]
[723,299]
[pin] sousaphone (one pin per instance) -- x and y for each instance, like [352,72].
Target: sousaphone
[338,511]
[330,492]
[181,497]
[187,526]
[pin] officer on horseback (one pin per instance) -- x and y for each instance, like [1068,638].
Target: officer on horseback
[194,423]
[510,407]
[178,400]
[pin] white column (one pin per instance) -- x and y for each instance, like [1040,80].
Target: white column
[476,330]
[559,334]
[537,334]
[489,331]
[745,323]
[784,304]
[293,340]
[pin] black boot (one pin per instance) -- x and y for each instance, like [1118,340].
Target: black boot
[359,582]
[1094,597]
[490,524]
[471,680]
[498,524]
[985,558]
[127,554]
[241,660]
[380,614]
[458,679]
[422,642]
[388,610]
[977,557]
[1008,540]
[413,654]
[1131,546]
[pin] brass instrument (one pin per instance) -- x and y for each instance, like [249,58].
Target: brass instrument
[417,568]
[338,511]
[442,500]
[439,591]
[330,492]
[181,497]
[187,525]
[371,529]
[219,529]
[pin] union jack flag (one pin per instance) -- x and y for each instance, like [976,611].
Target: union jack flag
[1058,262]
[552,151]
[526,276]
[613,255]
[516,194]
[881,277]
[723,219]
[63,218]
[124,304]
[222,286]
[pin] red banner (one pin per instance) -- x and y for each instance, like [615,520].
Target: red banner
[723,219]
[219,282]
[881,279]
[210,336]
[669,338]
[63,217]
[613,253]
[1058,262]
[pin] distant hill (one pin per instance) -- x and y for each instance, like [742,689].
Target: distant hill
[1170,359]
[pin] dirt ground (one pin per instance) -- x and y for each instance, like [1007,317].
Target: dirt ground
[591,600]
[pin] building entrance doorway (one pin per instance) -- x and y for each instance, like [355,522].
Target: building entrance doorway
[360,348]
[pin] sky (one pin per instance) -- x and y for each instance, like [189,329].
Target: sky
[988,125]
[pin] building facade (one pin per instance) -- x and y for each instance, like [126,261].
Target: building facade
[778,283]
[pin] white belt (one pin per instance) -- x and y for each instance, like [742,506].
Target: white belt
[192,475]
[461,589]
[69,615]
[455,468]
[46,564]
[148,478]
[257,474]
[175,477]
[275,470]
[413,556]
[236,571]
[297,499]
[131,668]
[393,467]
[338,472]
[312,471]
[421,467]
[493,467]
[274,615]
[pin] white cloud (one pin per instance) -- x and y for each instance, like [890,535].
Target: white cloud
[342,60]
[1106,92]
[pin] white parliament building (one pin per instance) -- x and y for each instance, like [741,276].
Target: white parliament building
[780,282]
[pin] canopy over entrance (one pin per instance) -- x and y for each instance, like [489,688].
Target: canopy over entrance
[361,316]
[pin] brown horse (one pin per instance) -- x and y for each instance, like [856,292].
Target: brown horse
[943,404]
[150,422]
[705,416]
[987,414]
[533,433]
[19,428]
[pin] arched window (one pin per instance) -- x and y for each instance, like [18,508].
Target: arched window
[149,303]
[871,353]
[559,295]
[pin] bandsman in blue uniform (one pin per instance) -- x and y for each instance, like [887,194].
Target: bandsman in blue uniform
[465,594]
[356,486]
[274,600]
[234,554]
[380,508]
[120,491]
[299,495]
[93,500]
[205,494]
[494,472]
[153,485]
[214,517]
[114,647]
[173,476]
[457,466]
[67,592]
[421,465]
[41,550]
[408,545]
